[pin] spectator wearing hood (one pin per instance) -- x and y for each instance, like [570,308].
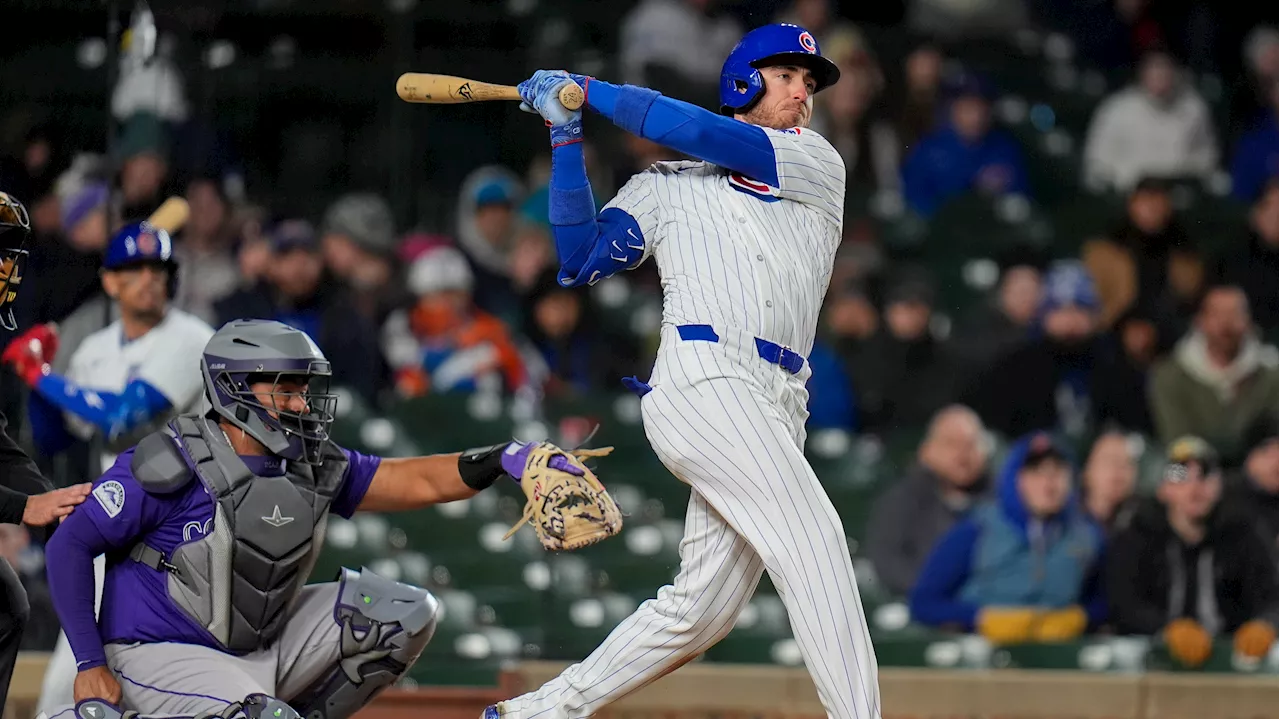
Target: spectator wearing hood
[903,375]
[948,478]
[444,342]
[1254,264]
[578,353]
[358,238]
[1219,380]
[1251,491]
[1187,571]
[487,230]
[1148,263]
[1022,566]
[295,290]
[1159,127]
[967,154]
[1044,384]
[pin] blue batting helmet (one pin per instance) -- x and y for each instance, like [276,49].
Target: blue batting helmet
[740,82]
[142,244]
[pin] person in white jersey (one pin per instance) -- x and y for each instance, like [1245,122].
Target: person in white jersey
[744,240]
[123,381]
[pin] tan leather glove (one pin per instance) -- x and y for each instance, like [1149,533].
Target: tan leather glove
[1060,625]
[1007,625]
[1254,638]
[1188,642]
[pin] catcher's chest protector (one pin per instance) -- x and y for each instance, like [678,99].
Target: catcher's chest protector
[239,580]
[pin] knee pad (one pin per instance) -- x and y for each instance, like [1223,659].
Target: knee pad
[385,626]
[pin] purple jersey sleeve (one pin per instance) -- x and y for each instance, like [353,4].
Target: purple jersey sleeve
[117,514]
[360,471]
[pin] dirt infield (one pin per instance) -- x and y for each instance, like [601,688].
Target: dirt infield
[709,691]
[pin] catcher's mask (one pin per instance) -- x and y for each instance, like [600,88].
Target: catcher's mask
[292,415]
[15,225]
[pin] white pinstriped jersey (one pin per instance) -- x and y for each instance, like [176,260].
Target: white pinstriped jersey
[735,253]
[167,358]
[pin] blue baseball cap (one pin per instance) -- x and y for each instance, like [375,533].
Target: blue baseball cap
[1069,284]
[294,235]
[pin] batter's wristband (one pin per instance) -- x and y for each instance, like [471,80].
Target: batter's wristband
[482,466]
[571,206]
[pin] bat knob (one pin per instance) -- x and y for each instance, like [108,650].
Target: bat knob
[571,96]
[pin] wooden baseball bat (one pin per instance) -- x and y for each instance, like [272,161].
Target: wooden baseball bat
[450,90]
[171,215]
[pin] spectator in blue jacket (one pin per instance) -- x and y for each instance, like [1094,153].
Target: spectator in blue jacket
[965,154]
[1024,566]
[1257,158]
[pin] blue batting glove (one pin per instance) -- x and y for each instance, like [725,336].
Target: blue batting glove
[541,94]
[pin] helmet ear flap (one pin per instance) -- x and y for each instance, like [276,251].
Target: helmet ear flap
[745,90]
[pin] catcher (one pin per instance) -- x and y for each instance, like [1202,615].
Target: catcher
[213,524]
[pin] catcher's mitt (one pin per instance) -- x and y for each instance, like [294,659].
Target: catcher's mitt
[567,505]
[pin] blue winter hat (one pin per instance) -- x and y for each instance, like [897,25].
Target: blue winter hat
[1068,284]
[495,193]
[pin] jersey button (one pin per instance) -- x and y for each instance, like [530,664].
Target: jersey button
[760,257]
[741,219]
[768,303]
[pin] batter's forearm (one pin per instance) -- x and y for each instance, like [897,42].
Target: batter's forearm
[71,586]
[572,208]
[111,413]
[687,128]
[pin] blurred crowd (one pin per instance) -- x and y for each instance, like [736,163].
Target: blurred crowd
[1141,332]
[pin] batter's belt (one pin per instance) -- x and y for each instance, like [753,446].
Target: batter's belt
[770,352]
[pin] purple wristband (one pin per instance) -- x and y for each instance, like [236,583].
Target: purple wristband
[514,458]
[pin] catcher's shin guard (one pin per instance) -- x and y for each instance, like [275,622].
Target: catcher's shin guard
[385,626]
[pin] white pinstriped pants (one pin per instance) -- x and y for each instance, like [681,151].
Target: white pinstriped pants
[732,426]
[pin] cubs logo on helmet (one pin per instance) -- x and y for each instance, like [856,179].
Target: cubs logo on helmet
[808,43]
[741,84]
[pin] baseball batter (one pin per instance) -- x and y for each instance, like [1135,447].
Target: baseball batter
[122,382]
[211,527]
[744,241]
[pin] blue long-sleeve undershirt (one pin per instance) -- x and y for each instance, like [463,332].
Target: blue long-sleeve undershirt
[113,414]
[590,247]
